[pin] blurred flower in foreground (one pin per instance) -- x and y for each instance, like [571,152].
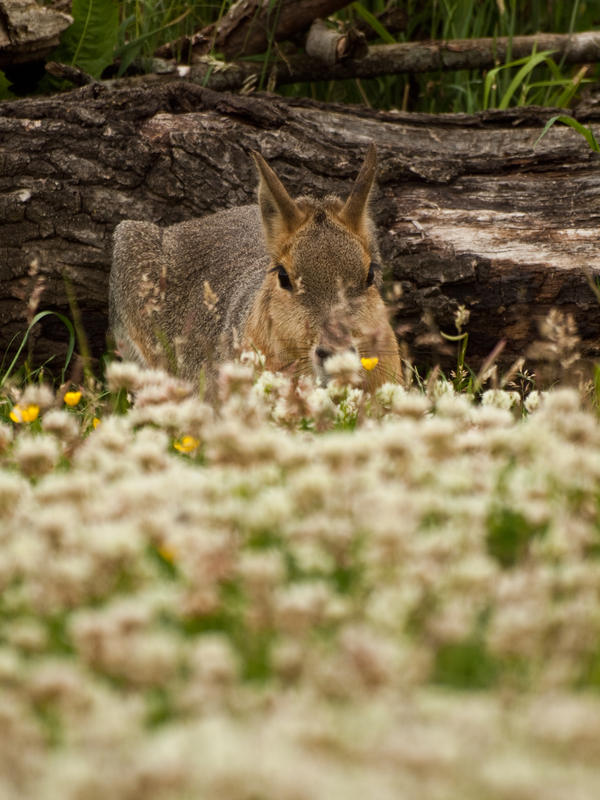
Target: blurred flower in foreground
[21,414]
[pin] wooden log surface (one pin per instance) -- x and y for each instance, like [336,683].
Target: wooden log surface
[28,31]
[469,210]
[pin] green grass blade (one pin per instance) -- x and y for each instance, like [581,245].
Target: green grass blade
[587,133]
[39,316]
[531,63]
[372,20]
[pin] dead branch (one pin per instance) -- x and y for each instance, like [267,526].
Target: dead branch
[250,25]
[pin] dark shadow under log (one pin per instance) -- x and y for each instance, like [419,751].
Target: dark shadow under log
[469,211]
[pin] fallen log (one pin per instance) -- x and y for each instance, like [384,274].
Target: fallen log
[388,59]
[28,32]
[470,211]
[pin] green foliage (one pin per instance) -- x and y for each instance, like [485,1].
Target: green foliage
[584,131]
[89,43]
[39,316]
[124,33]
[509,535]
[5,93]
[527,65]
[465,665]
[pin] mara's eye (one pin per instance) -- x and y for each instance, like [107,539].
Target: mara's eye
[284,278]
[371,273]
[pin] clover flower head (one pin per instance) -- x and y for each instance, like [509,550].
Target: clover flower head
[36,455]
[343,365]
[124,375]
[62,424]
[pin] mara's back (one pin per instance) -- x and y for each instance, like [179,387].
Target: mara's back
[180,296]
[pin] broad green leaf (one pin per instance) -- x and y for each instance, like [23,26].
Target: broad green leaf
[89,43]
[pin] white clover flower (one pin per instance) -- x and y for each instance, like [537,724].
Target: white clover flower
[500,398]
[561,401]
[319,403]
[14,490]
[300,605]
[36,455]
[252,357]
[213,661]
[62,424]
[455,406]
[440,388]
[124,375]
[39,395]
[388,394]
[270,384]
[410,404]
[6,436]
[261,570]
[533,401]
[492,416]
[269,510]
[343,364]
[373,657]
[349,405]
[288,657]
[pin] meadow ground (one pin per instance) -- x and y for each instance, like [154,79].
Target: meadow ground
[312,593]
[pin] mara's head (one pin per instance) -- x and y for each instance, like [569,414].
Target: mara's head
[321,295]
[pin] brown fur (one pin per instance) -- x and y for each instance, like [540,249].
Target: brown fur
[182,297]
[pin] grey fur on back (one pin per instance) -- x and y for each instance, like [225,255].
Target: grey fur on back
[158,280]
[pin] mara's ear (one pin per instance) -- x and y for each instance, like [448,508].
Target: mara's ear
[354,212]
[280,214]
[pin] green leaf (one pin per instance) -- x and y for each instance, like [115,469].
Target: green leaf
[371,20]
[530,64]
[39,316]
[89,43]
[5,93]
[587,133]
[465,665]
[509,535]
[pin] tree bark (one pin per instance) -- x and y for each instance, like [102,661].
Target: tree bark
[28,32]
[468,209]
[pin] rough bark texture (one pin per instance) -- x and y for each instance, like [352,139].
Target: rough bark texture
[468,209]
[28,31]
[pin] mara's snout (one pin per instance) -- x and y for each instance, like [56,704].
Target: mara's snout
[297,279]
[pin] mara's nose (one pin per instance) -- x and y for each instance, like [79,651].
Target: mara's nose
[323,353]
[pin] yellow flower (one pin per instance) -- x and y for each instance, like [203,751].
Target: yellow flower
[95,422]
[72,398]
[26,414]
[369,363]
[186,444]
[166,553]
